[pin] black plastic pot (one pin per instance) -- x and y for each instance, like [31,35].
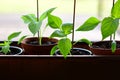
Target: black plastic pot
[14,51]
[77,51]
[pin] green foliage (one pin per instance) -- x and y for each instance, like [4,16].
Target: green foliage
[53,50]
[54,21]
[67,28]
[6,45]
[34,24]
[85,41]
[34,27]
[23,37]
[65,46]
[61,31]
[45,14]
[115,12]
[57,33]
[90,24]
[113,46]
[29,18]
[13,35]
[109,26]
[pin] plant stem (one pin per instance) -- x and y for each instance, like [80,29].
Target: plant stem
[114,34]
[74,12]
[40,38]
[113,3]
[111,38]
[38,20]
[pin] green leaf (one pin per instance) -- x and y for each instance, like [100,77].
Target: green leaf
[85,41]
[67,28]
[65,46]
[90,24]
[13,35]
[45,14]
[34,27]
[29,18]
[53,50]
[113,46]
[57,33]
[2,44]
[54,21]
[6,48]
[23,37]
[109,26]
[116,10]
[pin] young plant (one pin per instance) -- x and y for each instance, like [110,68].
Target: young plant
[6,44]
[34,24]
[109,25]
[61,31]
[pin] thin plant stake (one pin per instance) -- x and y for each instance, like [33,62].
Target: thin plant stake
[74,12]
[38,18]
[113,3]
[100,8]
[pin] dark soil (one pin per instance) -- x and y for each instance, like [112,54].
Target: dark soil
[34,42]
[13,51]
[79,52]
[105,45]
[76,51]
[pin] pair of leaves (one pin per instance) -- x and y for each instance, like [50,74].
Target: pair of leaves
[6,45]
[109,26]
[45,14]
[5,48]
[66,30]
[64,46]
[14,35]
[32,22]
[56,23]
